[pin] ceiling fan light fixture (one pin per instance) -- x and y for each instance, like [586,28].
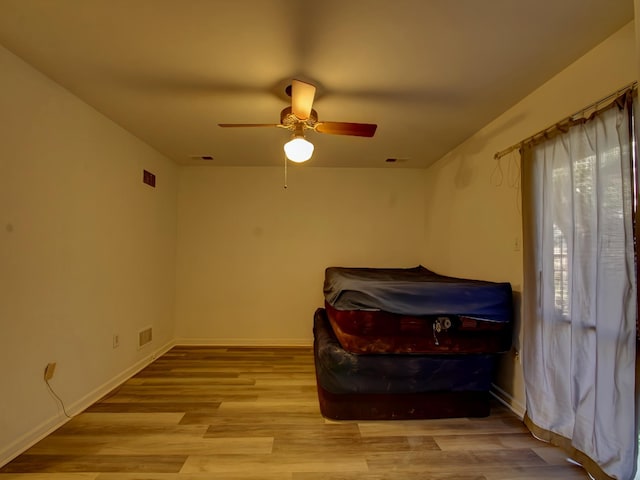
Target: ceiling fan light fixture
[298,149]
[301,116]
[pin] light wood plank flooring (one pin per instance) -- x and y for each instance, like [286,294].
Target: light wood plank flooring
[252,413]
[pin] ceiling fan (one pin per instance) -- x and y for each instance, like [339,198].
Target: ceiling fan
[300,116]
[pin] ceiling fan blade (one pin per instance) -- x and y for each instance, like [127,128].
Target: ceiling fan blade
[302,95]
[346,128]
[248,125]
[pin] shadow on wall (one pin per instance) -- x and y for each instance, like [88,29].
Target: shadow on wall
[477,145]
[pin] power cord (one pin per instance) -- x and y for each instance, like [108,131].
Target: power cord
[57,398]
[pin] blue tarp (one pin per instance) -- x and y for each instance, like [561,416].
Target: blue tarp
[416,291]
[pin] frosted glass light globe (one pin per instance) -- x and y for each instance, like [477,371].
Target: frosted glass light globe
[298,149]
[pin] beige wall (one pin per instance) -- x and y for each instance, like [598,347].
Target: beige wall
[473,219]
[252,255]
[86,251]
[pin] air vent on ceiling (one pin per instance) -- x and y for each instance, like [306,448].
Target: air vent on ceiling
[396,160]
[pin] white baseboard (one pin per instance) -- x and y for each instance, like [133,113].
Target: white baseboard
[47,427]
[245,342]
[26,441]
[508,401]
[118,380]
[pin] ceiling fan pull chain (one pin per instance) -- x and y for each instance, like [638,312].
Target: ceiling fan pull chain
[285,172]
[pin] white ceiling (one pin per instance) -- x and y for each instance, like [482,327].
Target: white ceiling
[430,73]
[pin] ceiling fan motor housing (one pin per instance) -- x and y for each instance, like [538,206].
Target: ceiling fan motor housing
[289,120]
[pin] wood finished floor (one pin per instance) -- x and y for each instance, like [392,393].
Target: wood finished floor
[252,413]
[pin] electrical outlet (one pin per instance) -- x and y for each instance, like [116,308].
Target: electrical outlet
[49,371]
[516,244]
[116,340]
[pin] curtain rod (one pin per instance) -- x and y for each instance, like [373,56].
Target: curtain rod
[594,105]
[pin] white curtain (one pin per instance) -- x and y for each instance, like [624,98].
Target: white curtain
[579,291]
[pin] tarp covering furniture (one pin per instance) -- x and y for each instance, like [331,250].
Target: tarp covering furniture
[414,310]
[408,343]
[416,291]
